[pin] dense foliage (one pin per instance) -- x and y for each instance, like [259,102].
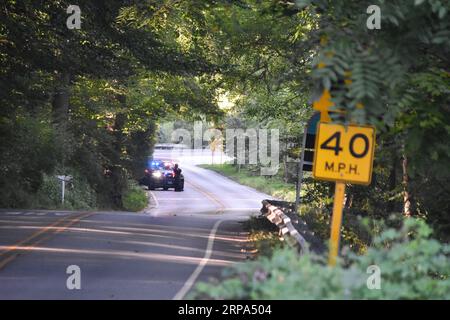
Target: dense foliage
[134,199]
[411,265]
[399,81]
[278,57]
[86,101]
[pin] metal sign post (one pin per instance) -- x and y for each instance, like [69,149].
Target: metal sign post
[63,190]
[342,154]
[300,171]
[64,179]
[307,154]
[336,222]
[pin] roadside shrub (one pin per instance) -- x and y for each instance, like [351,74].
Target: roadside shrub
[27,151]
[412,266]
[48,195]
[355,231]
[134,199]
[79,195]
[263,234]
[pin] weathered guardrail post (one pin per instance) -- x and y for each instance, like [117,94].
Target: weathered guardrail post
[287,230]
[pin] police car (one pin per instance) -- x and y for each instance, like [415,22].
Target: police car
[162,174]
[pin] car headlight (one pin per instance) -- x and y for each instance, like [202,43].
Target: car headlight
[157,174]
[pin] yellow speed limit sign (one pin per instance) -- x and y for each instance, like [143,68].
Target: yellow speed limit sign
[344,153]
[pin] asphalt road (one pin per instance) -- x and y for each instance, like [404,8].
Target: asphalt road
[182,238]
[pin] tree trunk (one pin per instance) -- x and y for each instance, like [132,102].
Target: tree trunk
[285,156]
[407,212]
[60,100]
[348,200]
[393,173]
[393,180]
[139,148]
[118,174]
[60,115]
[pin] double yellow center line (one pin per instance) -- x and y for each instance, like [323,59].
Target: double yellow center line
[9,253]
[210,196]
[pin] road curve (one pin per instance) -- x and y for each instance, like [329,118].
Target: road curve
[161,253]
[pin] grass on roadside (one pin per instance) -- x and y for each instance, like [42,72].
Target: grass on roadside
[263,235]
[135,198]
[272,185]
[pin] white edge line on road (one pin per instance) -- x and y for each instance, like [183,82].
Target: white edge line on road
[191,280]
[154,198]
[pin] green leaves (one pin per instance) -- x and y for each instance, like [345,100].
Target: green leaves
[135,199]
[411,264]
